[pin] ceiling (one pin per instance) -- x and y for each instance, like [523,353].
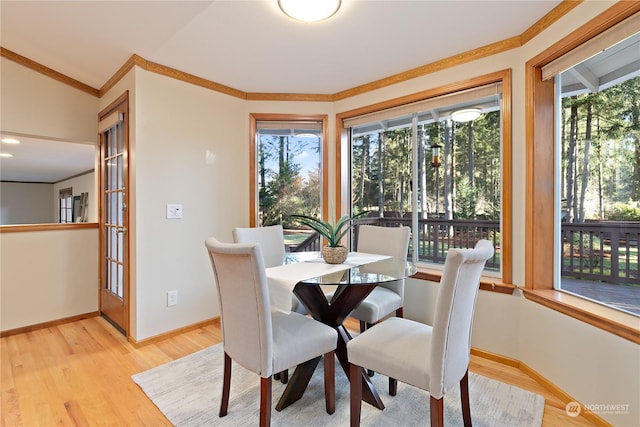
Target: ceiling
[248,45]
[44,161]
[251,46]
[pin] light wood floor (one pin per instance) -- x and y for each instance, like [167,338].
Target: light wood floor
[79,374]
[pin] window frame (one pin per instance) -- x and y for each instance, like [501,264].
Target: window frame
[503,284]
[254,118]
[65,194]
[540,198]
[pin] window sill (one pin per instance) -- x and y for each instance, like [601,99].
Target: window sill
[618,323]
[487,283]
[21,228]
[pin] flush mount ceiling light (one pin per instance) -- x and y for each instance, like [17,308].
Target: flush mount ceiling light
[10,141]
[309,10]
[466,115]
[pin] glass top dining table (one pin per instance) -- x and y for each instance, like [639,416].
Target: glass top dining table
[352,282]
[375,272]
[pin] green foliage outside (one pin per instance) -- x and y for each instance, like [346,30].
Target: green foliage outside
[466,200]
[284,187]
[600,149]
[466,185]
[623,212]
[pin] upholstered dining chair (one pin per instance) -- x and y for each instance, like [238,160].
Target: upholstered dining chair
[259,339]
[433,358]
[387,298]
[271,238]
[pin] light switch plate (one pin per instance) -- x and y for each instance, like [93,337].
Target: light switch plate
[172,298]
[174,211]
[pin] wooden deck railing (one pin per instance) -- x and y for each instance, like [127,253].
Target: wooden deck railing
[310,244]
[598,251]
[436,237]
[603,251]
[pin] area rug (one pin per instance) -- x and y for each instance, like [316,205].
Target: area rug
[188,390]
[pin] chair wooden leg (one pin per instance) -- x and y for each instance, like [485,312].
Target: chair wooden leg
[437,412]
[464,397]
[330,382]
[399,312]
[284,376]
[265,401]
[226,385]
[363,326]
[355,399]
[393,386]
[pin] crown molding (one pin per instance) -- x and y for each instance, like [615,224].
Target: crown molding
[462,58]
[33,65]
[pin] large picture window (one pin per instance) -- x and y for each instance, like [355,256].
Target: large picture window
[427,165]
[598,176]
[582,122]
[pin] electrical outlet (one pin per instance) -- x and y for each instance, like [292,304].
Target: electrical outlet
[174,211]
[172,298]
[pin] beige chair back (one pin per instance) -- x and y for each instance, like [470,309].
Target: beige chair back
[455,304]
[245,311]
[390,241]
[271,238]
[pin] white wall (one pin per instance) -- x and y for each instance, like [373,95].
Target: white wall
[34,104]
[191,148]
[26,203]
[592,365]
[47,275]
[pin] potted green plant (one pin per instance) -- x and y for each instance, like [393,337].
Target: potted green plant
[333,252]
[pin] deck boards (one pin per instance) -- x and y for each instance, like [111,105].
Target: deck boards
[624,297]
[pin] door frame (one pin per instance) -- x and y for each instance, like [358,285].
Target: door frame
[119,104]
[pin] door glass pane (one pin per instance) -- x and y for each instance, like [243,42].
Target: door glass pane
[114,202]
[114,241]
[120,280]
